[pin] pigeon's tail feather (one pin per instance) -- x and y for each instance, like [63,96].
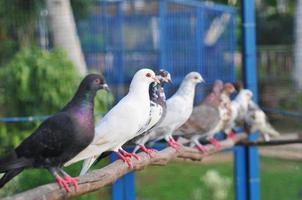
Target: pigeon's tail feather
[90,151]
[12,162]
[269,130]
[9,175]
[87,164]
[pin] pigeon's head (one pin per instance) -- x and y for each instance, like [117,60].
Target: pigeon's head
[194,77]
[246,94]
[217,87]
[238,86]
[145,76]
[164,76]
[229,88]
[94,82]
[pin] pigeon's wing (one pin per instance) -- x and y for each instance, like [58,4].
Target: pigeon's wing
[202,119]
[52,137]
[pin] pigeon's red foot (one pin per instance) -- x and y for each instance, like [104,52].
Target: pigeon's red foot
[125,159]
[148,151]
[175,145]
[232,135]
[130,155]
[202,148]
[71,180]
[62,183]
[216,143]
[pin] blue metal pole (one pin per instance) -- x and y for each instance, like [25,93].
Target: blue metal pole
[200,45]
[240,173]
[162,28]
[250,81]
[124,187]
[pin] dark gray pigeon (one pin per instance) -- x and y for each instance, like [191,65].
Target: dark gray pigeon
[59,138]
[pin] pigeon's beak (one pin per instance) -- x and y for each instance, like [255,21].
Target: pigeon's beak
[156,80]
[168,79]
[106,87]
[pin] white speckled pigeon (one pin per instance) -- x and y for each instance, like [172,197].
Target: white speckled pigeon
[239,108]
[157,112]
[256,120]
[179,109]
[123,122]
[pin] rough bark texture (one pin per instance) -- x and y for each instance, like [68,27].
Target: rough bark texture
[64,32]
[99,178]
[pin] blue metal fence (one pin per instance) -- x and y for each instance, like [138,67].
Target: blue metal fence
[180,36]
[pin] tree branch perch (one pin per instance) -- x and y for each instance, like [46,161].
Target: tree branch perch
[99,178]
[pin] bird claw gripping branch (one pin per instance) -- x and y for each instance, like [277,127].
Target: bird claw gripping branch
[216,143]
[202,148]
[148,151]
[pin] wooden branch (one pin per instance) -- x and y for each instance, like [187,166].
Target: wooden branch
[99,178]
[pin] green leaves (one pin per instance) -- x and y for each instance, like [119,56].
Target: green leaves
[35,82]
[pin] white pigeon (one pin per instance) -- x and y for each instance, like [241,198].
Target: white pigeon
[179,109]
[121,123]
[157,111]
[256,120]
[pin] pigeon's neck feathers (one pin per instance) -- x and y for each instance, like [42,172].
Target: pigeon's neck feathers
[186,90]
[139,89]
[82,99]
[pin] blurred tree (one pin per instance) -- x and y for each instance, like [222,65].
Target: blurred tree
[64,32]
[298,45]
[37,82]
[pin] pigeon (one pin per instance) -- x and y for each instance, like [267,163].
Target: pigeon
[179,109]
[203,118]
[157,112]
[256,120]
[122,123]
[225,114]
[239,108]
[59,138]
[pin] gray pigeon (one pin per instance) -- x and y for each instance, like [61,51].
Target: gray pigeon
[179,109]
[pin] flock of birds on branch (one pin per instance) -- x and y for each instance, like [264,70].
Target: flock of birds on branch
[143,115]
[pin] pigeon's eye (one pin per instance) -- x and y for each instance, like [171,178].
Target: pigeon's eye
[97,81]
[148,75]
[196,77]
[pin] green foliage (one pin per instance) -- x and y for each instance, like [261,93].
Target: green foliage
[35,82]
